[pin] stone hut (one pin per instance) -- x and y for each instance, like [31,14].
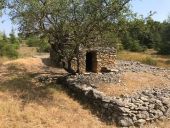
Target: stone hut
[96,60]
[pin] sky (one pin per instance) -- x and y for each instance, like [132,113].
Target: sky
[142,7]
[161,7]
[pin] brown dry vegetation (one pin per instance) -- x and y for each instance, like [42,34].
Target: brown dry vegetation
[25,103]
[132,82]
[25,51]
[159,60]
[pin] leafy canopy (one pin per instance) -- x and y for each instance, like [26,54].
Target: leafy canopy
[70,24]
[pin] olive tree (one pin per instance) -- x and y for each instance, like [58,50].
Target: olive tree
[2,5]
[69,24]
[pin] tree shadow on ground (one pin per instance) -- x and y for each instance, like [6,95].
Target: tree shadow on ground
[23,88]
[88,104]
[48,62]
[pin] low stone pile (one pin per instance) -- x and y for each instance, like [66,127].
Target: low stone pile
[113,76]
[127,111]
[135,110]
[125,66]
[97,78]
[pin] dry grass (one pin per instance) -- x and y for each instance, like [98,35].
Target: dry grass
[3,59]
[26,104]
[25,51]
[44,108]
[159,60]
[132,82]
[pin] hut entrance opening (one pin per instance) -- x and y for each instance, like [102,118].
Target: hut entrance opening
[91,61]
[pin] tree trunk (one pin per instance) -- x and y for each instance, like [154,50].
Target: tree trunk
[68,68]
[78,59]
[63,62]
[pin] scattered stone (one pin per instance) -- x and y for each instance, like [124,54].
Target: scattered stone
[140,122]
[125,121]
[147,105]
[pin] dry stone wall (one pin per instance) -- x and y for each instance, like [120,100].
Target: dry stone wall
[126,111]
[106,60]
[103,60]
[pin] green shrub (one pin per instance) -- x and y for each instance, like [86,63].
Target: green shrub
[41,44]
[165,48]
[149,61]
[9,50]
[136,47]
[44,46]
[33,41]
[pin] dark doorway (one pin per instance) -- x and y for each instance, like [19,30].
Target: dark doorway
[91,61]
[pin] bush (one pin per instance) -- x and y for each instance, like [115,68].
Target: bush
[33,41]
[44,47]
[9,50]
[136,47]
[164,48]
[132,44]
[41,44]
[149,61]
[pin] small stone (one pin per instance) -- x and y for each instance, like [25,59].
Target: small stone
[144,98]
[143,115]
[167,114]
[125,121]
[162,118]
[125,110]
[166,101]
[140,122]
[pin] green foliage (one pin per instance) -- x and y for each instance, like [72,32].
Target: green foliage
[13,39]
[33,41]
[164,48]
[69,24]
[135,46]
[44,46]
[131,44]
[4,37]
[41,44]
[9,46]
[2,5]
[149,61]
[164,45]
[9,51]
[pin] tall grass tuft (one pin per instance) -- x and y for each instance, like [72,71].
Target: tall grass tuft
[150,61]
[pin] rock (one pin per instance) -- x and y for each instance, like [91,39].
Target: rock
[166,101]
[144,98]
[167,113]
[124,110]
[114,70]
[162,118]
[156,113]
[140,122]
[119,102]
[142,115]
[125,121]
